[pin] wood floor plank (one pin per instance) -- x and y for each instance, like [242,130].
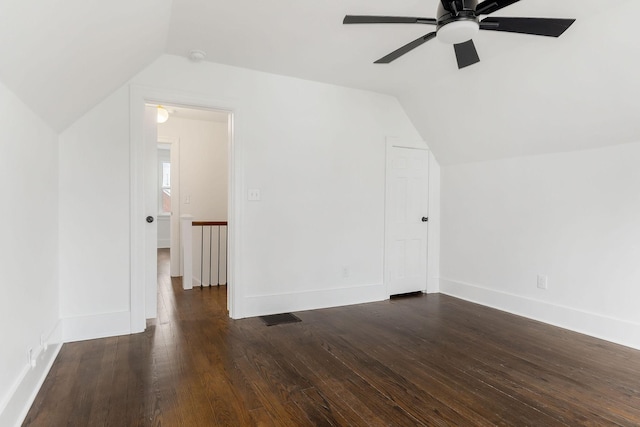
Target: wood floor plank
[333,376]
[540,397]
[427,360]
[555,371]
[280,408]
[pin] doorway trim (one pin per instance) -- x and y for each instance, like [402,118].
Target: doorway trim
[139,96]
[175,267]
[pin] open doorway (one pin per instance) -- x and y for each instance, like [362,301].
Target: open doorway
[143,136]
[193,182]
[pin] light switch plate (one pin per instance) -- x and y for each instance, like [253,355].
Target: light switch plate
[543,281]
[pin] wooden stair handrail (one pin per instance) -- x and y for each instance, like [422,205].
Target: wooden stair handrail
[208,223]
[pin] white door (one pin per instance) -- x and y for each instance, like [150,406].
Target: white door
[151,211]
[406,219]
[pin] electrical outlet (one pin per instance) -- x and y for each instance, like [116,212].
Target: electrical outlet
[345,272]
[254,195]
[542,281]
[31,358]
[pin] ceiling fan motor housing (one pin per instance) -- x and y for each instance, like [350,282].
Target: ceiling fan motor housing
[457,21]
[456,10]
[453,6]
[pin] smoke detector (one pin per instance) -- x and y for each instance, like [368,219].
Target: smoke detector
[197,55]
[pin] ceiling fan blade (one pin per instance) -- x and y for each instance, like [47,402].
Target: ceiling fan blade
[404,49]
[368,19]
[466,54]
[550,27]
[490,6]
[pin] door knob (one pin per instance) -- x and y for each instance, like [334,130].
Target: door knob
[425,219]
[149,219]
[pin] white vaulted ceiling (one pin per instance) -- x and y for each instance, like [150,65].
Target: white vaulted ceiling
[63,57]
[528,95]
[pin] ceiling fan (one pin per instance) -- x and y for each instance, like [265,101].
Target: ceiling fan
[459,21]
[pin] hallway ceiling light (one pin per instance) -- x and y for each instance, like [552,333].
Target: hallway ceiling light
[163,114]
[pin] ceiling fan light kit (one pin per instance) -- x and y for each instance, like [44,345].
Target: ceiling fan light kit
[458,31]
[458,21]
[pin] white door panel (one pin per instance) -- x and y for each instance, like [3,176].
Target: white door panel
[406,232]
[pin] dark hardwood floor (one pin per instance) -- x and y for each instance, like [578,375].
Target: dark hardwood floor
[426,360]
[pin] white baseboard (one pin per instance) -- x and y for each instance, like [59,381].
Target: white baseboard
[164,243]
[596,325]
[96,326]
[261,305]
[25,389]
[197,283]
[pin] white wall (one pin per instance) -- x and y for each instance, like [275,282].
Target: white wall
[316,151]
[164,231]
[28,254]
[94,222]
[203,166]
[573,217]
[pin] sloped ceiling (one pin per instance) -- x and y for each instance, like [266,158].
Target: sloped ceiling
[529,95]
[63,57]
